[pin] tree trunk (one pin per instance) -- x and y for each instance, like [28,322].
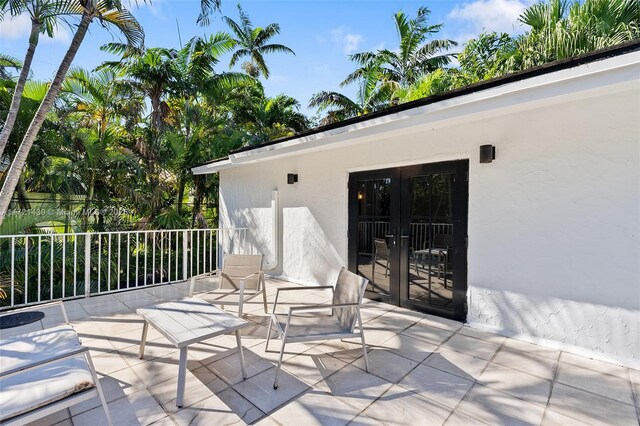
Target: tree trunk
[87,203]
[23,197]
[32,132]
[197,198]
[17,92]
[180,194]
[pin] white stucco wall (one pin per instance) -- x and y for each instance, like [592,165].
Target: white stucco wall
[554,221]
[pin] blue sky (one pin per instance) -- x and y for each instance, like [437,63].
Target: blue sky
[321,32]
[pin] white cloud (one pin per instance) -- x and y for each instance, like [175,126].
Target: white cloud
[16,27]
[488,15]
[349,42]
[19,27]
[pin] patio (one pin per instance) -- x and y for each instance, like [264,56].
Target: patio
[424,370]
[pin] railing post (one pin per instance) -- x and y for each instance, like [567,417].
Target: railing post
[87,264]
[185,247]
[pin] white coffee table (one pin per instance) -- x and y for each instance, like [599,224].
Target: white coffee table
[189,321]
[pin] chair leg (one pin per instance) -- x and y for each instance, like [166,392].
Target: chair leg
[275,381]
[373,267]
[143,339]
[364,345]
[241,354]
[266,347]
[241,300]
[103,400]
[264,299]
[364,351]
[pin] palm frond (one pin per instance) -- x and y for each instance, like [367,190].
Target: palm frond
[237,55]
[126,23]
[207,8]
[276,48]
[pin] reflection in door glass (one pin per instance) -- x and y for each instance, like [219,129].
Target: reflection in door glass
[431,250]
[374,214]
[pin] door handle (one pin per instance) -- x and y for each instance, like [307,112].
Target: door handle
[403,237]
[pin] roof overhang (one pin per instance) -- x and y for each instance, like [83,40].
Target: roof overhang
[484,102]
[209,168]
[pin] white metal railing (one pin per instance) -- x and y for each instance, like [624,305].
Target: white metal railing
[36,268]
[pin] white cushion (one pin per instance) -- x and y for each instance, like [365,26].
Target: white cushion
[26,349]
[24,392]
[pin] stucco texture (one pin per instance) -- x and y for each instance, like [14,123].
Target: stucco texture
[554,221]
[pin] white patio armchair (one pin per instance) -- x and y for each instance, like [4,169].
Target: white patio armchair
[241,280]
[340,324]
[43,372]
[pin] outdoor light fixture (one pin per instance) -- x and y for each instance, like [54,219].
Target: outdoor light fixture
[360,195]
[487,153]
[292,178]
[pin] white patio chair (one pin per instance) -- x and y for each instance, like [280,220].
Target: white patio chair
[241,279]
[340,324]
[43,372]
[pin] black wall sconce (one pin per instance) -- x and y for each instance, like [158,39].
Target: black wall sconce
[292,178]
[487,153]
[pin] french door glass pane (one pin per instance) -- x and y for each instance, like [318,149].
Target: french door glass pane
[374,215]
[431,244]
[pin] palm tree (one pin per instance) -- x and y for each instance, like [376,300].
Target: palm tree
[384,74]
[278,117]
[414,57]
[101,98]
[265,118]
[373,93]
[196,75]
[562,30]
[151,72]
[108,12]
[252,42]
[32,95]
[44,15]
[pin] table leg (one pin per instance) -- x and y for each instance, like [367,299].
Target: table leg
[143,339]
[182,373]
[239,342]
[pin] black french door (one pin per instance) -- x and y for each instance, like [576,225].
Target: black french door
[408,235]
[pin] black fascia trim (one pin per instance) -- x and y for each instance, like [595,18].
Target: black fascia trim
[597,55]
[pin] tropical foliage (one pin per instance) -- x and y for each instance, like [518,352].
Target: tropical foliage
[554,30]
[117,146]
[113,148]
[253,43]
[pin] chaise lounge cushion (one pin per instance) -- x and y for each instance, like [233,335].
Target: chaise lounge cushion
[24,392]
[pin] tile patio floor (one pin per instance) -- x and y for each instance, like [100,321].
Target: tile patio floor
[424,370]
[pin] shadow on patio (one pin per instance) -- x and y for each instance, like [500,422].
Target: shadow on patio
[424,370]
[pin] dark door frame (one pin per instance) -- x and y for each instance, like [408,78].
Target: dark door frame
[399,226]
[394,253]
